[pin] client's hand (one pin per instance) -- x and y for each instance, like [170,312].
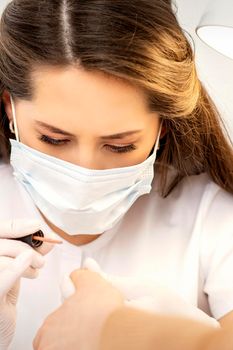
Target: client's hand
[78,322]
[146,293]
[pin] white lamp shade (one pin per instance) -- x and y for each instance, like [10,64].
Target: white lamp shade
[216,26]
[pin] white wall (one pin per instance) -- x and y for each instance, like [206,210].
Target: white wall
[3,4]
[215,70]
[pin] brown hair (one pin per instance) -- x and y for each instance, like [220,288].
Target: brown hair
[139,41]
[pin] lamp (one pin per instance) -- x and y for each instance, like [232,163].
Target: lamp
[216,26]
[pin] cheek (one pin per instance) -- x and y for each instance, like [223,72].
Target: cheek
[25,130]
[138,156]
[143,154]
[147,145]
[26,134]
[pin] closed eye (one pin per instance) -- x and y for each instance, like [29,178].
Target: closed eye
[51,141]
[112,148]
[121,149]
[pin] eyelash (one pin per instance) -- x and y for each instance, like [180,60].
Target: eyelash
[55,142]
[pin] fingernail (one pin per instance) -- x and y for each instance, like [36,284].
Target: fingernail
[92,265]
[37,260]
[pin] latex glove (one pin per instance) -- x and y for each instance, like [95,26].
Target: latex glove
[146,294]
[17,259]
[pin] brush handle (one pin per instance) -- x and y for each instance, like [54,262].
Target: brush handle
[34,243]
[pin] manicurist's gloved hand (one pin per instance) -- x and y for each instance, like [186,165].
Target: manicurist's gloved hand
[17,259]
[146,294]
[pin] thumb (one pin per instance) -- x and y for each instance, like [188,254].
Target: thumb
[67,286]
[92,265]
[125,285]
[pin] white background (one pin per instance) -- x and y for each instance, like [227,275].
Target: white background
[215,70]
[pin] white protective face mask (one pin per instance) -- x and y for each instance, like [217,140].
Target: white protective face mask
[76,199]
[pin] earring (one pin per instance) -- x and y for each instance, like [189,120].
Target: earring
[11,126]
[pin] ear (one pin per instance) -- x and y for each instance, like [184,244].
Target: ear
[7,104]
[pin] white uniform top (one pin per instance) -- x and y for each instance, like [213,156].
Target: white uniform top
[185,240]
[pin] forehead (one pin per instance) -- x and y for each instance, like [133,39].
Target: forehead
[77,86]
[92,100]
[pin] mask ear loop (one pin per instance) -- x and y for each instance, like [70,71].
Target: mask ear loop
[14,119]
[157,142]
[159,134]
[11,126]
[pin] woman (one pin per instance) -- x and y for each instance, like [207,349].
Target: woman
[110,143]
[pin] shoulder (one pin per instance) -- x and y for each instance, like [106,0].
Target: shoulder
[216,249]
[191,194]
[214,205]
[212,198]
[199,189]
[193,184]
[217,225]
[196,203]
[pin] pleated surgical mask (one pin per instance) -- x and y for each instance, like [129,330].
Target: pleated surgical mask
[76,199]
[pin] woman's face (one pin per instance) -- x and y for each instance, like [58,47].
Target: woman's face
[89,119]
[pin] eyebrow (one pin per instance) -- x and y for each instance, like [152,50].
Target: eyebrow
[66,133]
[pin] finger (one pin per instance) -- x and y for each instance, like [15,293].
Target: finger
[126,285]
[84,279]
[18,228]
[37,340]
[67,287]
[12,248]
[92,265]
[14,271]
[30,272]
